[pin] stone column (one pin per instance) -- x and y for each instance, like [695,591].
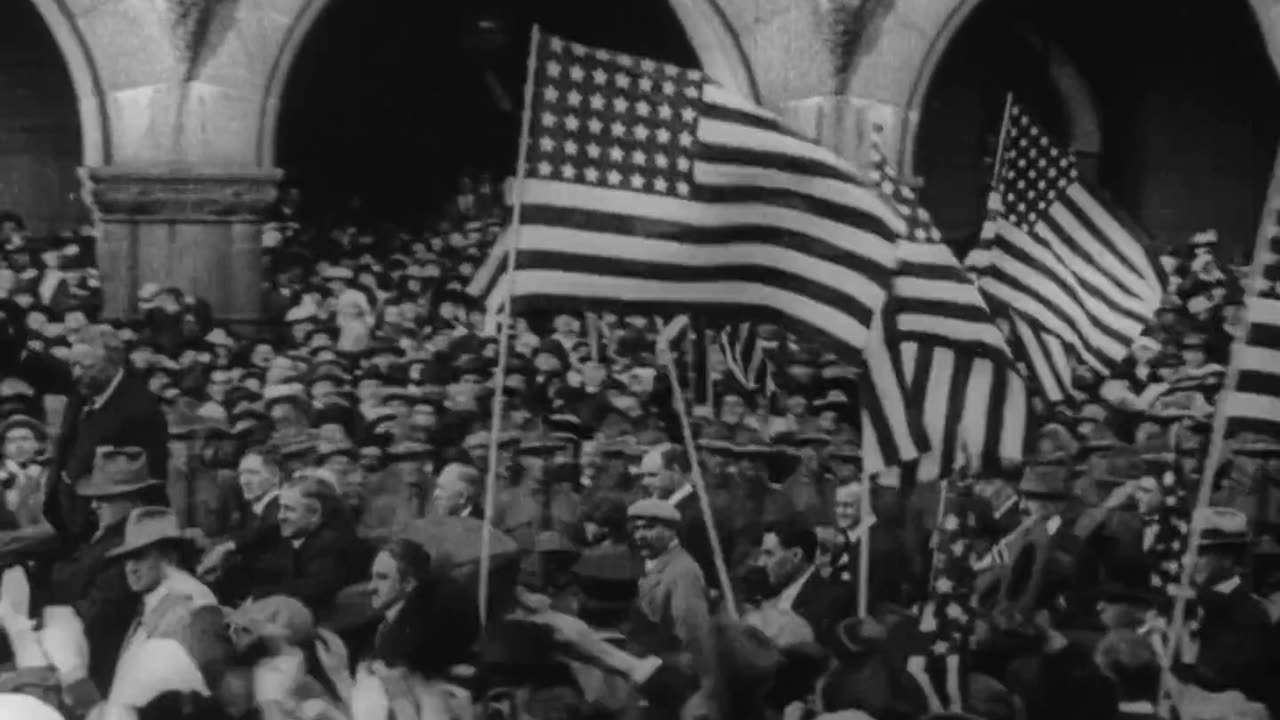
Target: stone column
[194,229]
[848,126]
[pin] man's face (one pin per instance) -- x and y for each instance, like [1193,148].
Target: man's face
[652,538]
[299,515]
[732,410]
[658,482]
[386,586]
[262,355]
[20,445]
[92,369]
[1146,493]
[450,496]
[781,564]
[144,571]
[1193,357]
[848,508]
[255,479]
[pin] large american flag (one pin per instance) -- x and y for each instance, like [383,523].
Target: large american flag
[648,187]
[961,382]
[647,184]
[1060,256]
[1253,404]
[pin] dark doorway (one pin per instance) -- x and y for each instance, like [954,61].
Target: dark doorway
[39,124]
[394,100]
[1187,101]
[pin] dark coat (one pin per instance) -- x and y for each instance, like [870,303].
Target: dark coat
[433,631]
[327,560]
[1234,631]
[96,587]
[885,577]
[823,603]
[130,417]
[696,539]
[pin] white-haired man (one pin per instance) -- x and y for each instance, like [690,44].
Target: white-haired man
[106,406]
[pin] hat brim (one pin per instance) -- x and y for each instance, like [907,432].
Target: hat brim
[87,489]
[129,549]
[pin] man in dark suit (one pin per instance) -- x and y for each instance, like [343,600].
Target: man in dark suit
[666,476]
[106,405]
[89,579]
[787,554]
[316,553]
[259,525]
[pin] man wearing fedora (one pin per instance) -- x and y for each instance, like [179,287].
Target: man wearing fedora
[1228,630]
[153,551]
[91,580]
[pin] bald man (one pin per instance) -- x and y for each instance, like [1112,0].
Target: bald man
[455,491]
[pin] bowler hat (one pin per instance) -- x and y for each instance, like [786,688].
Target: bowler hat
[147,526]
[1048,481]
[117,471]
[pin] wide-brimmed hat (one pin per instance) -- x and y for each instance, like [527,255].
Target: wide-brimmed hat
[147,526]
[1222,527]
[117,471]
[23,421]
[1046,481]
[1254,445]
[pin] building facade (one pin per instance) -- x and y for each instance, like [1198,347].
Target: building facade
[177,134]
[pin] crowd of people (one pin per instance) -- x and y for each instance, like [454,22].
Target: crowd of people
[200,522]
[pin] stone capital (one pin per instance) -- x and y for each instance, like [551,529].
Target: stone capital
[183,195]
[851,126]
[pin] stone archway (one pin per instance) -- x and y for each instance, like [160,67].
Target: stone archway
[915,35]
[709,32]
[94,139]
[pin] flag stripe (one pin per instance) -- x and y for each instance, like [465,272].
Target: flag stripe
[1046,359]
[1253,405]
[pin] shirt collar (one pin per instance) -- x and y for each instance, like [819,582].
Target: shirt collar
[1228,586]
[1006,505]
[1053,524]
[1135,707]
[260,505]
[101,399]
[788,596]
[682,493]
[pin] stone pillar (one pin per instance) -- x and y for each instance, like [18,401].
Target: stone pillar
[848,126]
[197,230]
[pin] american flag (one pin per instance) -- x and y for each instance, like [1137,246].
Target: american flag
[961,382]
[1060,256]
[1253,404]
[648,187]
[946,622]
[1046,357]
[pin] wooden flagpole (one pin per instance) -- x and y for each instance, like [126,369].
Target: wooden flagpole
[504,330]
[1217,444]
[1004,135]
[695,471]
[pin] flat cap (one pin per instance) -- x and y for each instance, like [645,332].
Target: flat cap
[653,509]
